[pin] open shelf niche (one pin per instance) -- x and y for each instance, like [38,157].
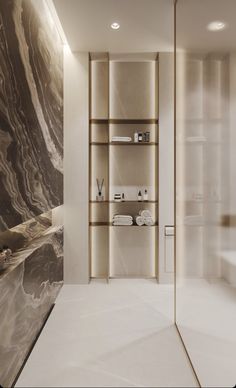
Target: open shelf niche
[123,100]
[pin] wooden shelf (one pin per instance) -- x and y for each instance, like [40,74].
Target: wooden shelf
[121,202]
[123,121]
[99,121]
[102,202]
[96,143]
[134,226]
[121,226]
[117,143]
[99,224]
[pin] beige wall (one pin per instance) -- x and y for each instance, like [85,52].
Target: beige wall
[166,165]
[76,151]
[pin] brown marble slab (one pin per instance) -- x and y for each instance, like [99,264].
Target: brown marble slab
[28,289]
[31,112]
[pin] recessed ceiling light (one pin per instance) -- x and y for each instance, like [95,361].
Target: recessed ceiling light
[115,26]
[216,26]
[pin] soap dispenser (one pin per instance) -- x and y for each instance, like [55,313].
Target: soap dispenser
[145,196]
[139,196]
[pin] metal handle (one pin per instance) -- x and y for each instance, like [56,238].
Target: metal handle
[169,230]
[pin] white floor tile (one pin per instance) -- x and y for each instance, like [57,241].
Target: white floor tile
[115,335]
[206,317]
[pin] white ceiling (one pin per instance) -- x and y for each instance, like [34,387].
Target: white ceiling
[146,25]
[193,16]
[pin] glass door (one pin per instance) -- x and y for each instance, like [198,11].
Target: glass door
[205,121]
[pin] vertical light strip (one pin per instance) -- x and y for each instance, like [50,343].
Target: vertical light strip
[157,158]
[89,164]
[53,12]
[109,199]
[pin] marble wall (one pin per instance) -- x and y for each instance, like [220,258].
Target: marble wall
[28,289]
[31,175]
[31,112]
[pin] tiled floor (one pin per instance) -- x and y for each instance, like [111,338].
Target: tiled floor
[206,317]
[116,335]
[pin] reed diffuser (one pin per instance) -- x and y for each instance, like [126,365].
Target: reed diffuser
[100,197]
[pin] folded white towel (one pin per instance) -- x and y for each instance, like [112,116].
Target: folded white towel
[145,213]
[122,216]
[123,219]
[148,221]
[121,138]
[139,221]
[119,222]
[122,223]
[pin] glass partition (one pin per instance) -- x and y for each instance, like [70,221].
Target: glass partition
[206,187]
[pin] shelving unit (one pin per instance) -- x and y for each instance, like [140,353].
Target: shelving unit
[129,201]
[119,106]
[124,144]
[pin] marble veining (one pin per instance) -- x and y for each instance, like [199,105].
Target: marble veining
[28,288]
[21,235]
[31,175]
[31,112]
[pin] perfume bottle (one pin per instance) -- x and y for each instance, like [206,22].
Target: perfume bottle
[139,196]
[145,196]
[147,137]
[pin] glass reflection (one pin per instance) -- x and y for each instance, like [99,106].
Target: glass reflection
[206,187]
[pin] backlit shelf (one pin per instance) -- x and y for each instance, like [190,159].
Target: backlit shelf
[122,202]
[110,224]
[123,121]
[117,143]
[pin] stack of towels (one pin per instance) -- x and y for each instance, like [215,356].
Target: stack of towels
[121,138]
[144,218]
[122,220]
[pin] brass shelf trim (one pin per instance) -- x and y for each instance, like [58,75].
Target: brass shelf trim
[123,144]
[122,226]
[124,121]
[122,202]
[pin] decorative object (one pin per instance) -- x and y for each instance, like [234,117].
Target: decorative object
[117,197]
[147,137]
[145,196]
[140,137]
[139,196]
[100,197]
